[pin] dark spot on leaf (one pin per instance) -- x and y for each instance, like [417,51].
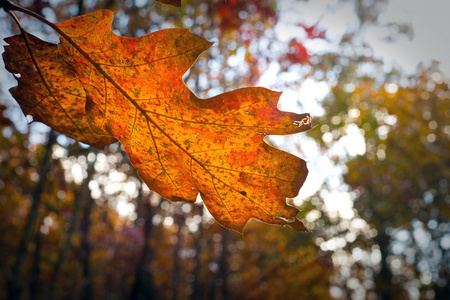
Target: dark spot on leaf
[244,193]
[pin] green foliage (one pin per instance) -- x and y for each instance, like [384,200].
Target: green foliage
[401,182]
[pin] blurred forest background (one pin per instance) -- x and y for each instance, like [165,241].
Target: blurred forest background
[77,223]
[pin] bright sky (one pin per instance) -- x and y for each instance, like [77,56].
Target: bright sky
[429,20]
[430,41]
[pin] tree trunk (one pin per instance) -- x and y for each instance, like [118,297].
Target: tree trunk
[143,287]
[179,219]
[15,282]
[36,269]
[84,194]
[85,226]
[383,279]
[196,287]
[223,264]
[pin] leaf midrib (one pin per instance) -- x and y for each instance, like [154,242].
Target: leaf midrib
[144,113]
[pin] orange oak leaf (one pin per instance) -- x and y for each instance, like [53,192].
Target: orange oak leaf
[182,145]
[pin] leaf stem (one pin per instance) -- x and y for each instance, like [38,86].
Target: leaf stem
[27,43]
[9,7]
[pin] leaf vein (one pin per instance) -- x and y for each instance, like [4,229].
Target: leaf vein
[249,173]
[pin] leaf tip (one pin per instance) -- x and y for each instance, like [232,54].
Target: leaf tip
[298,226]
[208,44]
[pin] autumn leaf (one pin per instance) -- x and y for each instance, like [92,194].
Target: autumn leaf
[297,52]
[181,145]
[313,32]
